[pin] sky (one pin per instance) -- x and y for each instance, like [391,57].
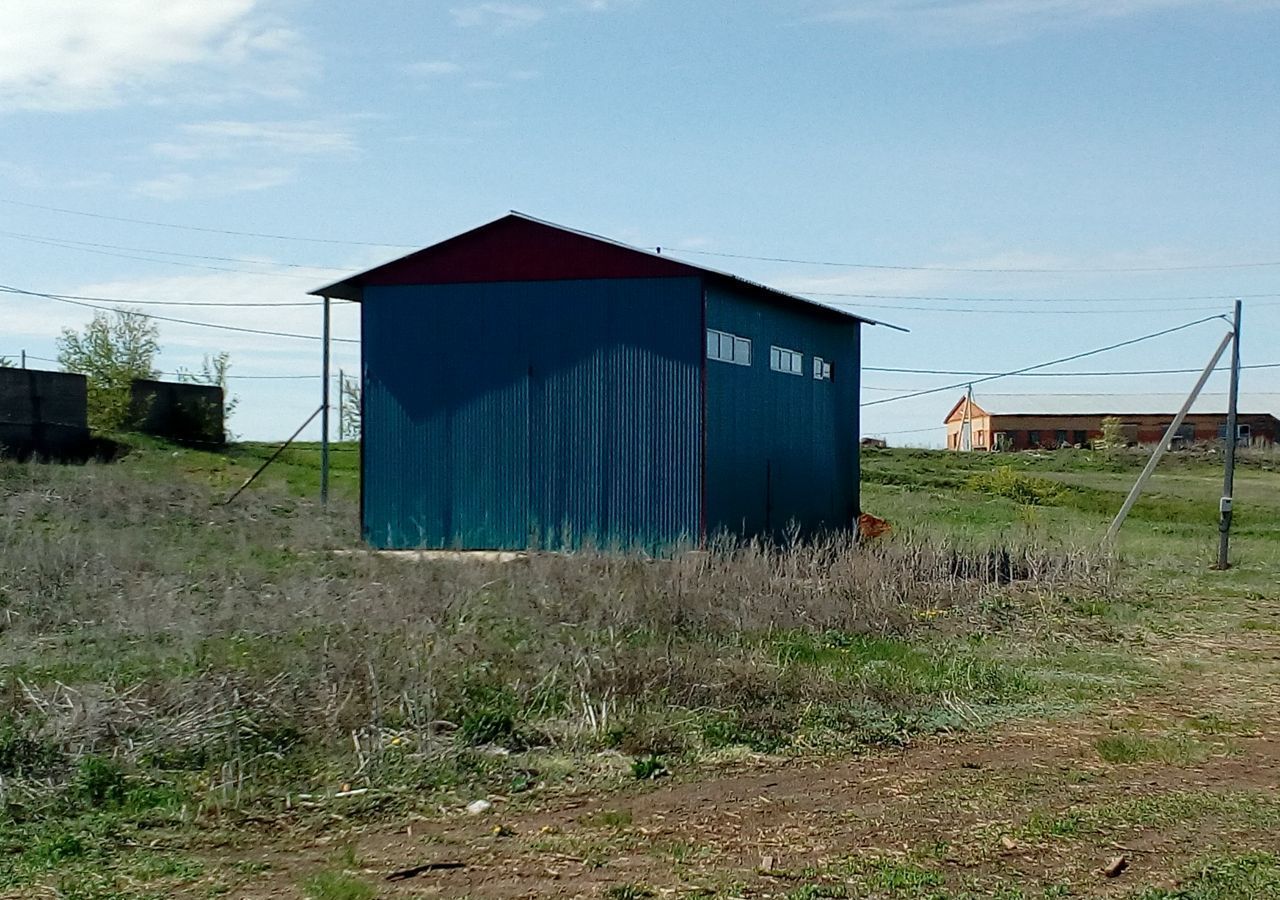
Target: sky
[1013,181]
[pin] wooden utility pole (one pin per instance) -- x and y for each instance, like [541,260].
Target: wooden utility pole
[324,410]
[1229,474]
[966,427]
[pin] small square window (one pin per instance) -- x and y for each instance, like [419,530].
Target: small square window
[728,348]
[821,369]
[783,360]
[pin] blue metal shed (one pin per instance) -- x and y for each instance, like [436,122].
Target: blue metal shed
[528,385]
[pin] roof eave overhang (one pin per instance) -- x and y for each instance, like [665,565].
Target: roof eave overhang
[347,289]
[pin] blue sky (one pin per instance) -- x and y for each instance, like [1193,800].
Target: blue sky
[954,134]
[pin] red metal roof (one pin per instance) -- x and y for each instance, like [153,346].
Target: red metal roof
[517,247]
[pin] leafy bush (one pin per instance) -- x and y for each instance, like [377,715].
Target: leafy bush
[1113,437]
[1006,482]
[99,783]
[23,755]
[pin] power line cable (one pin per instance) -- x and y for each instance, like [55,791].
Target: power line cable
[904,431]
[75,245]
[180,374]
[256,234]
[222,303]
[171,262]
[284,334]
[1032,299]
[1144,310]
[985,270]
[1053,362]
[1125,394]
[811,262]
[1109,374]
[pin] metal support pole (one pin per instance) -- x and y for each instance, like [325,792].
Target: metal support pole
[24,359]
[1229,475]
[1138,485]
[324,410]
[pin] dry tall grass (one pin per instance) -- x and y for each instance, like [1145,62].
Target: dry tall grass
[144,621]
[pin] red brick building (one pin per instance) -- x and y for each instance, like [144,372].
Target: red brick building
[1017,422]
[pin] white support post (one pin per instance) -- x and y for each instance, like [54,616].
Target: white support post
[1138,485]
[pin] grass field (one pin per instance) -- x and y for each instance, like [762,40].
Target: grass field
[203,700]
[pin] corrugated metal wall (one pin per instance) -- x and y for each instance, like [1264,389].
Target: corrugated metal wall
[781,448]
[508,415]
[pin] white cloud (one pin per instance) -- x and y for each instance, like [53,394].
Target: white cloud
[496,15]
[181,185]
[1004,20]
[86,54]
[229,139]
[433,68]
[232,157]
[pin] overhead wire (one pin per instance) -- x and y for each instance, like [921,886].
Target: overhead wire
[76,245]
[284,334]
[180,374]
[982,270]
[1044,365]
[226,231]
[1095,374]
[172,262]
[949,299]
[217,303]
[1145,310]
[689,250]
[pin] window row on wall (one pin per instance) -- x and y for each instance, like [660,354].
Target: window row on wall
[732,348]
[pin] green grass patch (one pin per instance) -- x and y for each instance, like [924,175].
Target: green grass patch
[334,884]
[1249,876]
[1249,810]
[1170,749]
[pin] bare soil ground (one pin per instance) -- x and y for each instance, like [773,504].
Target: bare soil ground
[1031,810]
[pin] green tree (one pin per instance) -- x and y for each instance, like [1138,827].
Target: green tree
[1113,434]
[111,351]
[350,404]
[214,370]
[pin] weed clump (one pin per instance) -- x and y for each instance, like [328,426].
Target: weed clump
[1007,482]
[190,651]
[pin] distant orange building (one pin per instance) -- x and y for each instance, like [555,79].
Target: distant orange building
[1016,422]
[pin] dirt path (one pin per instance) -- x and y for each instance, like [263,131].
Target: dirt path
[1036,810]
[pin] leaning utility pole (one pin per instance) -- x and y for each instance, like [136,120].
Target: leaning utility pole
[1229,475]
[1136,491]
[966,428]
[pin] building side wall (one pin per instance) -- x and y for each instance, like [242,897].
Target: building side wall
[980,425]
[177,411]
[1141,429]
[518,414]
[43,413]
[782,449]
